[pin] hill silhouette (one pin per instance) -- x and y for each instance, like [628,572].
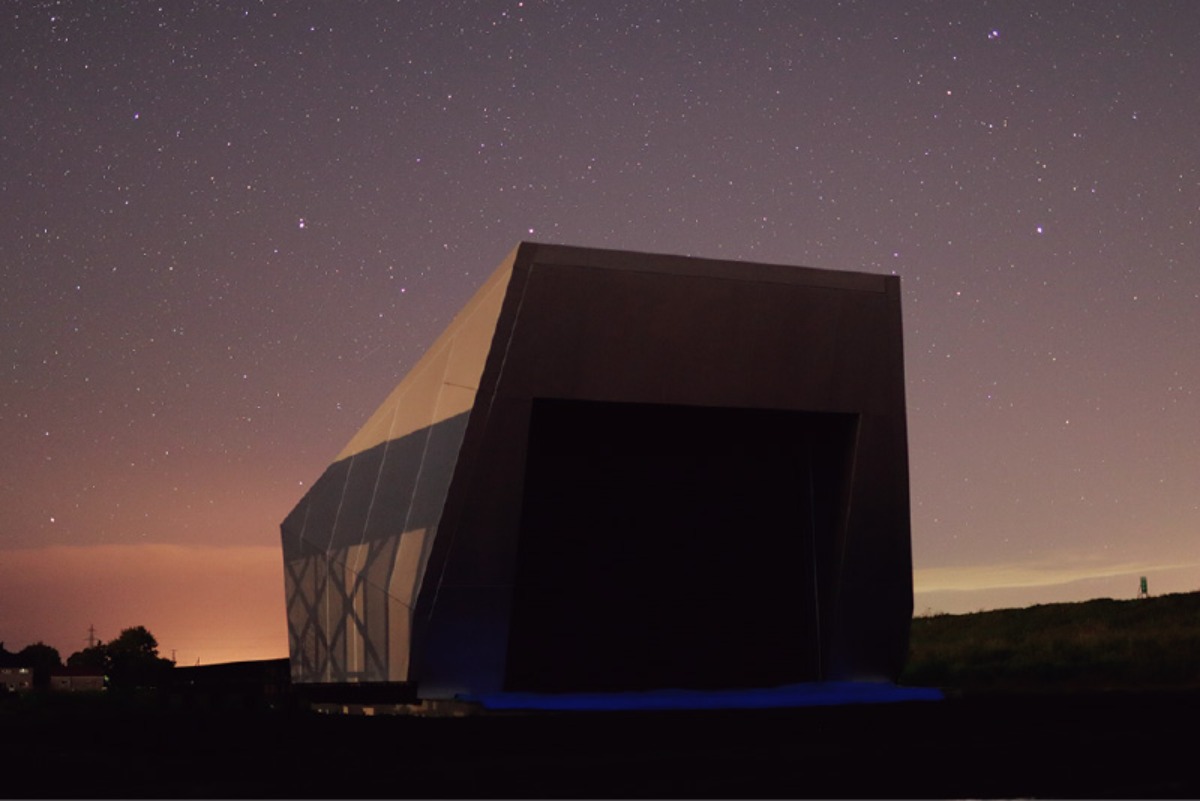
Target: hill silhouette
[1091,700]
[1144,644]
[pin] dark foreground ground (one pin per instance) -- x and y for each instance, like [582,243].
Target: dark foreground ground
[1133,745]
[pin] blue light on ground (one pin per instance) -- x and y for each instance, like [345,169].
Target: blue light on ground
[830,693]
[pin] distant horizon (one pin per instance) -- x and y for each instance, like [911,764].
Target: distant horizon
[212,604]
[235,611]
[1122,585]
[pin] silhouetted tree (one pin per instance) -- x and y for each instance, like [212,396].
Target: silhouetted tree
[133,659]
[43,659]
[95,657]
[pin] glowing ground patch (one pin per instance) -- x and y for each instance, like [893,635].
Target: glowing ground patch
[831,693]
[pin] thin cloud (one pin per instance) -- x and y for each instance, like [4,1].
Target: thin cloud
[1030,575]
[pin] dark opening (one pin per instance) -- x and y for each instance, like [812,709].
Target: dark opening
[674,546]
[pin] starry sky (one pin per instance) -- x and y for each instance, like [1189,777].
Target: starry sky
[229,228]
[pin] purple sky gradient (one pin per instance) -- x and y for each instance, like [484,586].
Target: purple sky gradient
[229,228]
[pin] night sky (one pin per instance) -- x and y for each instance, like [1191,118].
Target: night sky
[229,228]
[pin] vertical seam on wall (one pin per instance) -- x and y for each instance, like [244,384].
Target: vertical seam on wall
[812,539]
[487,414]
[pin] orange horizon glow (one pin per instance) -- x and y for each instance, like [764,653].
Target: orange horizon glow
[973,588]
[207,605]
[204,605]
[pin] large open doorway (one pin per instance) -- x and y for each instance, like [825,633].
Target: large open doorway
[675,546]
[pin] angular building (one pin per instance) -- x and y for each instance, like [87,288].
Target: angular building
[622,471]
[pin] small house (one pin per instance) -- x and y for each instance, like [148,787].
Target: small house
[16,679]
[76,680]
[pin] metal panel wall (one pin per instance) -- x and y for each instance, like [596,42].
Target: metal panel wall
[585,325]
[421,553]
[356,545]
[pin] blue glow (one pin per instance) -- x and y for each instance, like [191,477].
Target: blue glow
[830,693]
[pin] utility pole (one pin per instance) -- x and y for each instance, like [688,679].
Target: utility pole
[91,636]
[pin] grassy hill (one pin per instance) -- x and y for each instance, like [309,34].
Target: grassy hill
[1151,643]
[1033,720]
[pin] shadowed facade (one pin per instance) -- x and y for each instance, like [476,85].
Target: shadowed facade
[622,471]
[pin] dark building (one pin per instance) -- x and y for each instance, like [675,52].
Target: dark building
[622,471]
